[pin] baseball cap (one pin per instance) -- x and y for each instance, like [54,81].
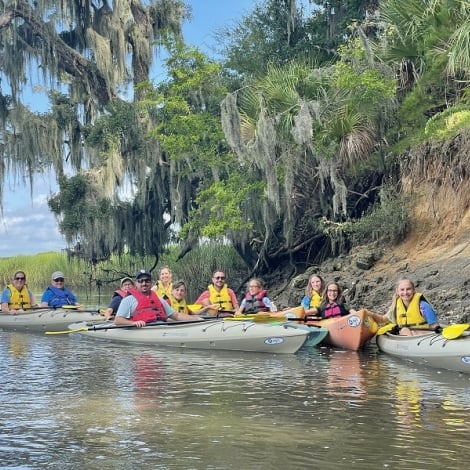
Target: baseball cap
[126,279]
[141,273]
[57,274]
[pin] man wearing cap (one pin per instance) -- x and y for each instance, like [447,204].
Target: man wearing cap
[57,295]
[144,306]
[126,284]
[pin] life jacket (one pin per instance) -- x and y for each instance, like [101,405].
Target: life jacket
[410,316]
[161,291]
[315,299]
[61,297]
[19,298]
[334,309]
[221,298]
[254,303]
[179,305]
[149,307]
[121,293]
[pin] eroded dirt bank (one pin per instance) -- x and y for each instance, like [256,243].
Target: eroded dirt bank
[436,259]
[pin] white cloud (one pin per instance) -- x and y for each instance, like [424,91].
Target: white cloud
[27,226]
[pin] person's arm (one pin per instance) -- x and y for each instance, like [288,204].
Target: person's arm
[178,316]
[46,297]
[429,314]
[270,304]
[305,303]
[241,308]
[233,298]
[6,296]
[203,299]
[379,317]
[32,299]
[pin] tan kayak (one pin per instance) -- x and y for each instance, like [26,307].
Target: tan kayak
[40,320]
[206,334]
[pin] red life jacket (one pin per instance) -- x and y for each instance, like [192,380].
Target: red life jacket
[254,303]
[121,293]
[149,307]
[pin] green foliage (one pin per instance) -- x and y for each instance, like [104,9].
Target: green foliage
[69,205]
[223,207]
[117,130]
[447,124]
[387,221]
[187,108]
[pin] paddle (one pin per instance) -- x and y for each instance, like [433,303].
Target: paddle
[113,326]
[385,329]
[454,331]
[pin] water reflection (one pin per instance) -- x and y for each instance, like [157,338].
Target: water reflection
[68,402]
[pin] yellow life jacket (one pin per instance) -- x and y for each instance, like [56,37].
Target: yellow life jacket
[161,291]
[315,299]
[19,299]
[221,298]
[410,316]
[179,305]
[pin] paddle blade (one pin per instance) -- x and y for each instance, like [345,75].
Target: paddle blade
[454,331]
[385,329]
[85,328]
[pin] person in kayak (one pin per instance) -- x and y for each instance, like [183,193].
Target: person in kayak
[410,311]
[164,285]
[313,294]
[178,300]
[16,297]
[256,299]
[332,304]
[219,293]
[126,284]
[143,306]
[57,295]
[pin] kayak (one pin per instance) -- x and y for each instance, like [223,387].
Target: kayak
[207,334]
[349,332]
[47,319]
[430,349]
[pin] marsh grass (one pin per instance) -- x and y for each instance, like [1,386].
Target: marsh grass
[195,269]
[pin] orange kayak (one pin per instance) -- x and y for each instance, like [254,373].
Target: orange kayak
[349,332]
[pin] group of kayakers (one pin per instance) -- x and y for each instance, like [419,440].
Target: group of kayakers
[17,297]
[409,310]
[139,301]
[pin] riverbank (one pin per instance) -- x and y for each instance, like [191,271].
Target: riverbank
[437,260]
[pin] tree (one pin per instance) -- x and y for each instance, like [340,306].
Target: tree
[89,57]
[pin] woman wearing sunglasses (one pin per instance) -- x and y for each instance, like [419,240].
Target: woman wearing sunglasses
[16,297]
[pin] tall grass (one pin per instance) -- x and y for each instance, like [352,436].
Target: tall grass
[195,269]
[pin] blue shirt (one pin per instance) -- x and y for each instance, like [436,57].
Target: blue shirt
[428,312]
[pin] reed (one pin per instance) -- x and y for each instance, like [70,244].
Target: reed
[195,268]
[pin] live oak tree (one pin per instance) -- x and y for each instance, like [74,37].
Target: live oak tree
[88,57]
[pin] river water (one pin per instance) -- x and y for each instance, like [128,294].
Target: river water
[69,402]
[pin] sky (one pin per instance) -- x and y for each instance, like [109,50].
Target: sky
[26,225]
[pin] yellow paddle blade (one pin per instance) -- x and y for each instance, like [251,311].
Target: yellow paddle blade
[385,329]
[85,328]
[195,307]
[454,331]
[252,317]
[72,307]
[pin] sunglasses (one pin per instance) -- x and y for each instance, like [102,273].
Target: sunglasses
[20,278]
[59,279]
[219,278]
[141,281]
